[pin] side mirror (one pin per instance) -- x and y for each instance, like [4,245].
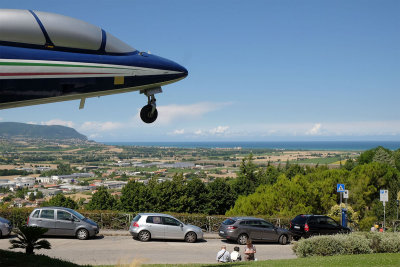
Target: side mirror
[181,225]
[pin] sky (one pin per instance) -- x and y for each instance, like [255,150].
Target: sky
[258,70]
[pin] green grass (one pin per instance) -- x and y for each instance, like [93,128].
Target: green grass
[370,260]
[8,258]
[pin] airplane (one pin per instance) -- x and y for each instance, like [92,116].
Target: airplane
[47,57]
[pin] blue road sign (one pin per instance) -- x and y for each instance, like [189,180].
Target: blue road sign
[340,188]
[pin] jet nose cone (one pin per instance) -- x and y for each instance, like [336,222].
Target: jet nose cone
[184,72]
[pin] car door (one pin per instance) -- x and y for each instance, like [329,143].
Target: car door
[316,225]
[332,227]
[256,230]
[46,220]
[155,226]
[173,228]
[65,224]
[269,232]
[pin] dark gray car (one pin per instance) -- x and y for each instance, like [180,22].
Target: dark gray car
[240,229]
[63,221]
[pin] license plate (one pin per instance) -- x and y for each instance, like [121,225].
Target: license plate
[221,232]
[297,227]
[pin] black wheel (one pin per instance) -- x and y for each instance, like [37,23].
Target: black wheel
[191,237]
[144,236]
[283,240]
[146,116]
[82,234]
[242,239]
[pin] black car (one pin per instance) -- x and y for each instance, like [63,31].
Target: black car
[309,225]
[240,229]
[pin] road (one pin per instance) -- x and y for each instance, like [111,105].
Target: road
[109,250]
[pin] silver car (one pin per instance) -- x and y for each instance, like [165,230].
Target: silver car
[146,226]
[63,221]
[5,227]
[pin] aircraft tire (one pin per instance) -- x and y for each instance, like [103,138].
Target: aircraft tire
[145,114]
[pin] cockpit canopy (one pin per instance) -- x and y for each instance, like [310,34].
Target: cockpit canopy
[56,31]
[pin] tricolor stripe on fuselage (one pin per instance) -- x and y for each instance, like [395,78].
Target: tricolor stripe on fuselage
[28,69]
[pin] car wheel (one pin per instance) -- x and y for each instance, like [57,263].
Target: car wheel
[82,234]
[242,239]
[283,240]
[144,236]
[191,237]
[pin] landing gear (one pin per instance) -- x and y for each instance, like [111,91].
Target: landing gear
[149,113]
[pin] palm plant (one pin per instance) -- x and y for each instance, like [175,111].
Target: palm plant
[28,237]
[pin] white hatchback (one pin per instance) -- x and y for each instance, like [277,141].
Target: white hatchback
[146,226]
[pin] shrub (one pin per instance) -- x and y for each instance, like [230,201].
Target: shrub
[367,222]
[333,245]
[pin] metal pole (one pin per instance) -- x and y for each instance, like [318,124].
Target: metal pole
[384,215]
[341,219]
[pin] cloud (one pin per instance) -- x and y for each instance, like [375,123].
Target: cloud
[173,113]
[58,122]
[101,126]
[178,132]
[219,130]
[315,130]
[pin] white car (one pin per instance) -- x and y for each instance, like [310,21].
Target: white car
[5,227]
[146,226]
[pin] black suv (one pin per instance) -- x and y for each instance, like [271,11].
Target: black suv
[240,229]
[309,225]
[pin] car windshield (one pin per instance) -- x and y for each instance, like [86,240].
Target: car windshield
[77,214]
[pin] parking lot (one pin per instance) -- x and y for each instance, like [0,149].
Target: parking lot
[106,249]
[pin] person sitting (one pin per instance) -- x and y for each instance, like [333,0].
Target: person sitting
[235,255]
[250,251]
[223,255]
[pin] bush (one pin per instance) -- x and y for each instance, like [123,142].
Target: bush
[367,222]
[354,243]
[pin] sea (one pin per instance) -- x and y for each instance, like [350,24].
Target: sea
[282,145]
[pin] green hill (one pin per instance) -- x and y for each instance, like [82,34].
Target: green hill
[23,130]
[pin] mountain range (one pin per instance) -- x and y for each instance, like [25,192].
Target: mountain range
[24,130]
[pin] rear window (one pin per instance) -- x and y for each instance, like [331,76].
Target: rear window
[154,219]
[47,214]
[300,219]
[137,218]
[228,221]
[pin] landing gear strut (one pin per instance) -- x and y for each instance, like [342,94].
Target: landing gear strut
[149,113]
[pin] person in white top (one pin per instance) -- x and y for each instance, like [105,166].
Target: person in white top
[223,255]
[235,255]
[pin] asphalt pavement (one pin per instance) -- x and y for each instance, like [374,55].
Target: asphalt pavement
[118,247]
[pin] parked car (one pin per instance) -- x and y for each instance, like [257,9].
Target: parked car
[5,227]
[146,226]
[309,225]
[63,221]
[240,229]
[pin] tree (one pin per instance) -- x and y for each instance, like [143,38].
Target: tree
[28,239]
[31,196]
[102,200]
[220,197]
[349,164]
[135,197]
[61,201]
[247,180]
[39,195]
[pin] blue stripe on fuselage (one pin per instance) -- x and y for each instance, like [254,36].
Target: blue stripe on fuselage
[134,59]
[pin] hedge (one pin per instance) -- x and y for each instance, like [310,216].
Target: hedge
[354,243]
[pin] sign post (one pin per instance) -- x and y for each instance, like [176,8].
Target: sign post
[384,197]
[346,195]
[340,189]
